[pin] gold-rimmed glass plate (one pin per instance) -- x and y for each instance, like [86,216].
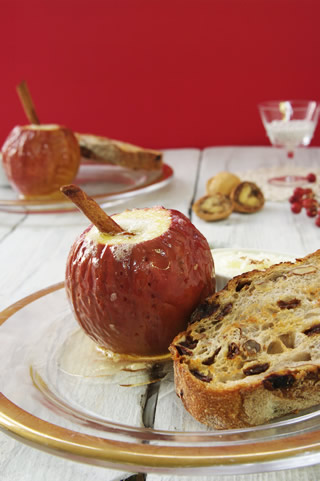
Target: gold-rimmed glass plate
[60,394]
[107,184]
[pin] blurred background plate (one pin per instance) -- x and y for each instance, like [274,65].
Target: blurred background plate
[107,184]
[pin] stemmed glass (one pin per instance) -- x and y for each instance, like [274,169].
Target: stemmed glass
[289,124]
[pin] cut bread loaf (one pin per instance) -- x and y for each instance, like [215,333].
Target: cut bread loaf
[102,149]
[252,350]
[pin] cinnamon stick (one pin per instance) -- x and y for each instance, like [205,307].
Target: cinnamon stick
[27,103]
[91,209]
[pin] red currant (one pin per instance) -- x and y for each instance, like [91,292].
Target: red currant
[298,192]
[312,212]
[311,177]
[305,198]
[294,199]
[296,207]
[309,203]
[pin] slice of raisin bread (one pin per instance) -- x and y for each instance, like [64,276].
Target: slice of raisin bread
[252,351]
[102,149]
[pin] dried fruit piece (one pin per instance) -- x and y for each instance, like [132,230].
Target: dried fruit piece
[205,309]
[183,351]
[256,369]
[223,182]
[233,350]
[278,381]
[312,330]
[189,343]
[290,304]
[224,311]
[213,207]
[201,376]
[210,360]
[247,198]
[241,284]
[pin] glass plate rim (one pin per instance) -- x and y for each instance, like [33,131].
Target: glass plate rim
[65,205]
[92,449]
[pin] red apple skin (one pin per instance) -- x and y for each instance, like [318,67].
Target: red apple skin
[138,305]
[37,162]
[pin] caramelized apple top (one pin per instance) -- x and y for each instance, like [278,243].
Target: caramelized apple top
[142,224]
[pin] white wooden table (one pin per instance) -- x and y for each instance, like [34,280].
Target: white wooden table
[33,251]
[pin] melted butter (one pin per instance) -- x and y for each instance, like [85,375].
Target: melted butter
[80,356]
[144,224]
[233,262]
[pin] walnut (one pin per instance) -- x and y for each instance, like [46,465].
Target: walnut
[247,197]
[223,182]
[213,207]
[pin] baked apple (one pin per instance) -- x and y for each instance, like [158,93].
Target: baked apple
[134,289]
[38,159]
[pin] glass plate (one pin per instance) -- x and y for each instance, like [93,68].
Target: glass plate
[107,184]
[61,395]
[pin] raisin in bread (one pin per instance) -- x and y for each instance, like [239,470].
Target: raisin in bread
[102,149]
[252,351]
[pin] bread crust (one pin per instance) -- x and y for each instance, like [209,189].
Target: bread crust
[103,149]
[275,383]
[250,406]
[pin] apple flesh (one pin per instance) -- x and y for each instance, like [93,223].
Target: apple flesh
[38,159]
[134,291]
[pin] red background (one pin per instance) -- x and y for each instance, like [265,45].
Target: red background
[159,73]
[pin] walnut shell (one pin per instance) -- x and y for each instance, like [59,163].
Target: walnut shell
[223,182]
[213,207]
[247,198]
